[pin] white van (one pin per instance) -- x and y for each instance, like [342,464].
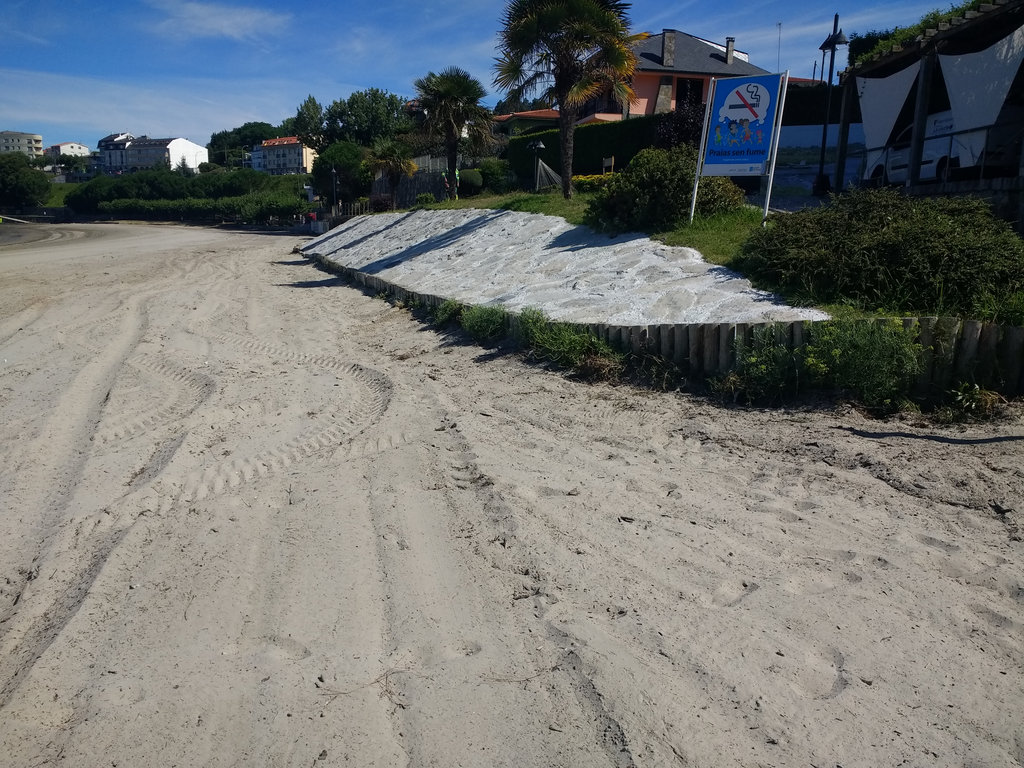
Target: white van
[941,151]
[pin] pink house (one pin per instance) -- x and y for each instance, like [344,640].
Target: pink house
[673,68]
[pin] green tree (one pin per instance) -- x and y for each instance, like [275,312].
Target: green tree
[21,185]
[451,108]
[366,116]
[74,163]
[310,124]
[390,157]
[341,164]
[516,104]
[573,49]
[286,128]
[228,148]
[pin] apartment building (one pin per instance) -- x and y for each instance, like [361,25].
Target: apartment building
[282,156]
[30,144]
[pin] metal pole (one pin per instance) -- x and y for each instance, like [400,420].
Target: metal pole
[705,130]
[776,134]
[821,183]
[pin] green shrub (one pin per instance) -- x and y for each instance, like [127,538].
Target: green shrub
[876,362]
[654,192]
[591,183]
[484,323]
[448,310]
[567,346]
[766,370]
[425,198]
[381,203]
[495,174]
[470,182]
[878,249]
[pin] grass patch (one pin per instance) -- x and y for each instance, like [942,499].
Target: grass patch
[548,203]
[875,362]
[484,324]
[568,346]
[58,193]
[719,239]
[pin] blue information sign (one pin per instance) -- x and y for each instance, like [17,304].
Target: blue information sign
[741,126]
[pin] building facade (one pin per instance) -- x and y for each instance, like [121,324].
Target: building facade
[124,153]
[283,156]
[113,151]
[673,68]
[72,148]
[30,144]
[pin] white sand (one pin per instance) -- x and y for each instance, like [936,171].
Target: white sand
[250,516]
[522,260]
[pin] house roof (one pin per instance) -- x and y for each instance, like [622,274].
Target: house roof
[533,114]
[145,141]
[117,137]
[284,140]
[692,55]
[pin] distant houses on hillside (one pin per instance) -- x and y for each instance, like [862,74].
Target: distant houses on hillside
[30,144]
[283,156]
[124,153]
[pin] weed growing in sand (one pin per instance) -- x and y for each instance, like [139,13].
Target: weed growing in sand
[874,361]
[969,402]
[568,346]
[447,311]
[484,323]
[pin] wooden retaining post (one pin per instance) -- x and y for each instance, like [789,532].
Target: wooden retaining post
[947,330]
[712,334]
[925,336]
[726,348]
[988,344]
[652,345]
[1012,363]
[695,334]
[967,351]
[637,338]
[681,347]
[665,342]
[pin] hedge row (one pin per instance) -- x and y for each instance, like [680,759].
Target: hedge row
[255,207]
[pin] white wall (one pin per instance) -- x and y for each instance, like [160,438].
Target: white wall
[192,153]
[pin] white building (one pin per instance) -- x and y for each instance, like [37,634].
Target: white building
[71,148]
[145,152]
[122,152]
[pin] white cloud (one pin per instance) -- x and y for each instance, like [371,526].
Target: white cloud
[190,20]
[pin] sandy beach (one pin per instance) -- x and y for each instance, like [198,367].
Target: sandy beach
[252,516]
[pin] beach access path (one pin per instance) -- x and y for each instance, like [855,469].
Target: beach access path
[250,515]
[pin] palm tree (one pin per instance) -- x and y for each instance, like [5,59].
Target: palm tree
[575,49]
[451,109]
[390,157]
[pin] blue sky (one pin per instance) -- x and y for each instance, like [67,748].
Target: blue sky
[76,70]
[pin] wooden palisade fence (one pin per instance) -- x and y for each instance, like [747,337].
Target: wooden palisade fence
[953,350]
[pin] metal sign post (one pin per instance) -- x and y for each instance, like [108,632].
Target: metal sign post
[741,129]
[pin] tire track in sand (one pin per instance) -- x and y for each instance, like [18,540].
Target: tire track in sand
[83,545]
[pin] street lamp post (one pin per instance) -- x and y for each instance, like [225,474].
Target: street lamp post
[822,186]
[334,189]
[536,146]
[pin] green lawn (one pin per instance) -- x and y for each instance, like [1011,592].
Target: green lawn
[58,192]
